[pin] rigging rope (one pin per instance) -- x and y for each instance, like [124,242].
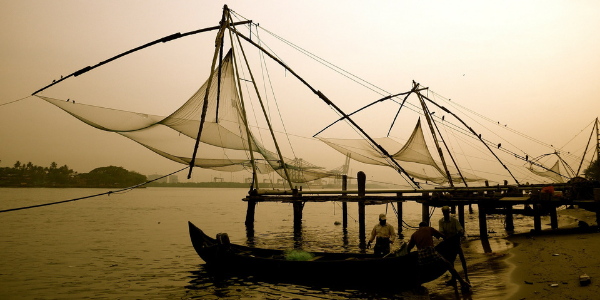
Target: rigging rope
[92,196]
[15,101]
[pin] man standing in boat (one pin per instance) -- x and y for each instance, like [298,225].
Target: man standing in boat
[384,235]
[427,255]
[451,228]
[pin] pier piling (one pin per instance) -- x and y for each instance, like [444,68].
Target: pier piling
[250,212]
[510,225]
[537,218]
[399,211]
[344,204]
[425,210]
[461,215]
[483,234]
[361,181]
[553,218]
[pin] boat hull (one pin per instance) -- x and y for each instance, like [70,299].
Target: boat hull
[352,268]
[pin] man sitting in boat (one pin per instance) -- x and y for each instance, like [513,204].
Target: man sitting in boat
[427,255]
[450,227]
[385,236]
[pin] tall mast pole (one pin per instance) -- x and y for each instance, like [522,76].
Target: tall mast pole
[473,132]
[437,145]
[328,102]
[244,116]
[205,104]
[283,165]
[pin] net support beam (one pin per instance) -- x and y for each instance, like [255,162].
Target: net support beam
[335,107]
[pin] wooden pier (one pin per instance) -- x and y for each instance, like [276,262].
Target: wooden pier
[500,199]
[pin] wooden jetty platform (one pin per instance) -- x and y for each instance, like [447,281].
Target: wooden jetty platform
[500,199]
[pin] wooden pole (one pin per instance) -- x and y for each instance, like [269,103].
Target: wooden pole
[510,225]
[399,211]
[482,221]
[244,117]
[335,107]
[208,84]
[435,140]
[483,235]
[553,218]
[298,206]
[473,131]
[425,210]
[297,212]
[537,219]
[250,213]
[361,178]
[345,204]
[461,216]
[283,164]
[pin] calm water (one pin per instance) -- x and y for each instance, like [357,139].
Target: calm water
[136,245]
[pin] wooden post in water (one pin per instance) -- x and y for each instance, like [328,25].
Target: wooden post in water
[399,210]
[482,220]
[425,209]
[297,212]
[250,213]
[510,225]
[461,216]
[553,218]
[483,235]
[537,218]
[298,206]
[344,204]
[361,181]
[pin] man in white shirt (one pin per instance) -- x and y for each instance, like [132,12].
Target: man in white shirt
[385,236]
[450,227]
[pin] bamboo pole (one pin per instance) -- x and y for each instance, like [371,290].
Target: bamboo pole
[473,131]
[244,116]
[161,40]
[208,84]
[335,107]
[435,140]
[283,164]
[449,153]
[400,108]
[360,109]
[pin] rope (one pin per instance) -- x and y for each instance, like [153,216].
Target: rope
[91,196]
[14,101]
[405,225]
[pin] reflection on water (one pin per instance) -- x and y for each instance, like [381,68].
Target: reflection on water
[203,284]
[136,246]
[488,278]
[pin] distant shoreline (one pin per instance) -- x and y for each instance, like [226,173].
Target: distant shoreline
[186,185]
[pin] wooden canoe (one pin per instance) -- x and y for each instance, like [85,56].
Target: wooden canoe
[324,267]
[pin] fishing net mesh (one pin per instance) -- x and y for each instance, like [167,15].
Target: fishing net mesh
[413,156]
[224,143]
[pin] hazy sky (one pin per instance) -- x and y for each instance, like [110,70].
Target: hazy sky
[533,66]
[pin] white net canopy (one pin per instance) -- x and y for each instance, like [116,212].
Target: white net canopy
[552,173]
[414,156]
[224,142]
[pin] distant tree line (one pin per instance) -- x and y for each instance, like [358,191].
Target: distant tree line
[30,175]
